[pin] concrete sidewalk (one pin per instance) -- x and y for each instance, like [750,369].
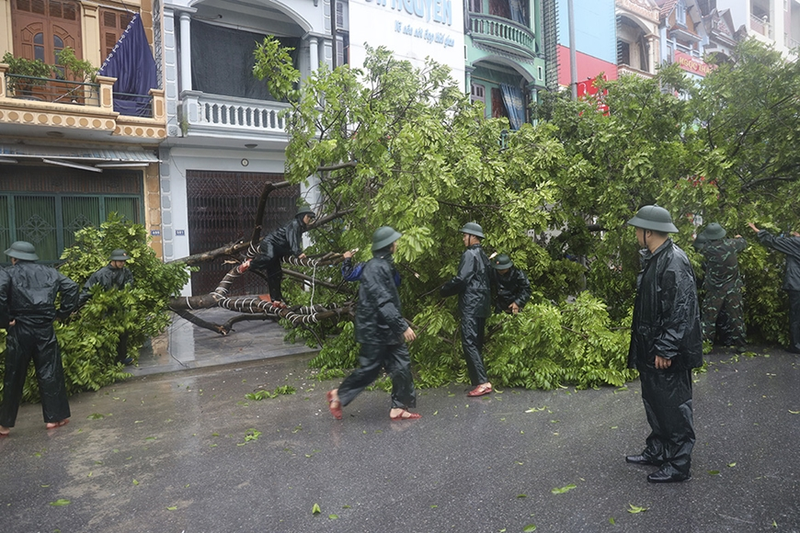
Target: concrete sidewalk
[186,346]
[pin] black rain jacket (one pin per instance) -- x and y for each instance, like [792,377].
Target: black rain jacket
[28,293]
[472,284]
[791,247]
[666,317]
[109,277]
[282,242]
[512,287]
[379,318]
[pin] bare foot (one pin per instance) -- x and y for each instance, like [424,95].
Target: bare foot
[53,425]
[4,431]
[334,404]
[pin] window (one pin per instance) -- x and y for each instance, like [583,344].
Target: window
[112,25]
[623,53]
[680,13]
[341,16]
[478,93]
[42,28]
[476,6]
[342,50]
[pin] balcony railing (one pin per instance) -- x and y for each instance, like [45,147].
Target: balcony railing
[761,25]
[503,32]
[627,70]
[80,108]
[52,90]
[207,113]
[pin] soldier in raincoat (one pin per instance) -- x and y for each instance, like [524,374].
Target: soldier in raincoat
[382,332]
[473,286]
[513,287]
[790,246]
[112,276]
[666,344]
[723,286]
[282,242]
[28,292]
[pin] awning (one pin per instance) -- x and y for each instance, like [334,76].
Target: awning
[93,159]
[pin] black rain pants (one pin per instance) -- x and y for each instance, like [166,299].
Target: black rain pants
[794,321]
[37,342]
[667,397]
[472,328]
[397,362]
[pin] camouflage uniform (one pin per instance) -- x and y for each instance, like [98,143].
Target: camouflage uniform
[723,290]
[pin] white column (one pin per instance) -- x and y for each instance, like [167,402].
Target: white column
[186,51]
[313,54]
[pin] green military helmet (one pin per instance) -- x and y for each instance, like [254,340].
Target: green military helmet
[654,218]
[502,262]
[22,250]
[714,232]
[119,255]
[472,228]
[305,209]
[383,237]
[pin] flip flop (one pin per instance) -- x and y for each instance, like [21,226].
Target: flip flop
[335,411]
[411,416]
[480,390]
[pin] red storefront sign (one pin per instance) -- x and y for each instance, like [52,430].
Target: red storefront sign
[693,65]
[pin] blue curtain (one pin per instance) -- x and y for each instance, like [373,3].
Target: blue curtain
[131,62]
[512,98]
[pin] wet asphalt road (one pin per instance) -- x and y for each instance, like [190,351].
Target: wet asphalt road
[187,452]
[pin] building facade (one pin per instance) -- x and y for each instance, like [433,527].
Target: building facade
[507,55]
[225,138]
[69,154]
[638,42]
[595,42]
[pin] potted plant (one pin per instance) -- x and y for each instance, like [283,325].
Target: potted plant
[25,74]
[71,68]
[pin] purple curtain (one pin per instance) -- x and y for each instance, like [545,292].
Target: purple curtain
[131,62]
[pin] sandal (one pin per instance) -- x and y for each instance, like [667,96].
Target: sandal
[335,411]
[406,415]
[481,390]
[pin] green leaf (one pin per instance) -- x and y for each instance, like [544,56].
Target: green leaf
[529,528]
[316,509]
[173,508]
[60,503]
[135,482]
[564,489]
[522,495]
[95,416]
[333,516]
[635,509]
[713,472]
[612,521]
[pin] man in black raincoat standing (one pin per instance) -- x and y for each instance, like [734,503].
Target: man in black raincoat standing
[513,287]
[473,286]
[666,344]
[112,276]
[28,292]
[382,332]
[282,242]
[789,245]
